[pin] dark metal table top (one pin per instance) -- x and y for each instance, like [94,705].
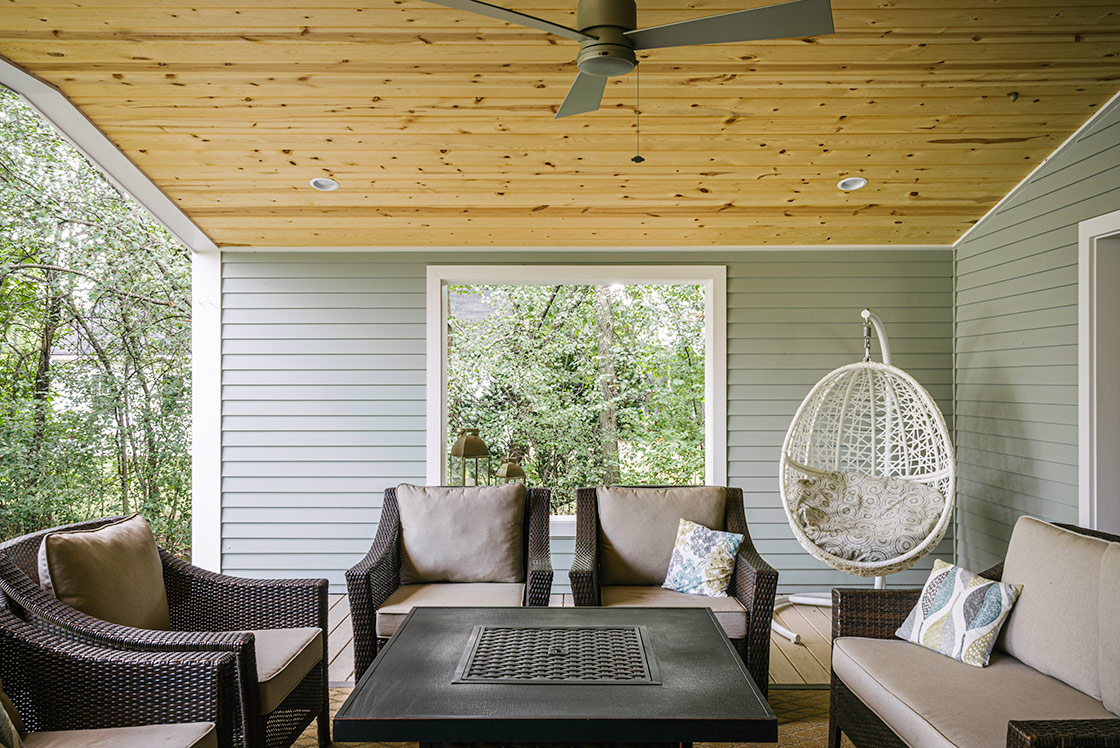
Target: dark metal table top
[557,675]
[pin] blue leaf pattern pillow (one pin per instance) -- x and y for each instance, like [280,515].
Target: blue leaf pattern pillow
[702,561]
[959,614]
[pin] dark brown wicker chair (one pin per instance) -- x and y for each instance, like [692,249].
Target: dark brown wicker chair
[753,583]
[57,683]
[209,613]
[377,576]
[877,614]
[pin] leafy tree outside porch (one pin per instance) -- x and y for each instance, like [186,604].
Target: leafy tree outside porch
[94,343]
[586,385]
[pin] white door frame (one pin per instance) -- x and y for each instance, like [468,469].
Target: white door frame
[1090,233]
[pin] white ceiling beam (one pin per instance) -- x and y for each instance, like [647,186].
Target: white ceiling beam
[72,124]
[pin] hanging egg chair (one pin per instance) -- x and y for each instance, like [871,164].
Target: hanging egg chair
[867,470]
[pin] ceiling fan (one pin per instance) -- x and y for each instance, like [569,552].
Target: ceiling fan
[607,37]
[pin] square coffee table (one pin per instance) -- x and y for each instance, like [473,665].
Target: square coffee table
[666,676]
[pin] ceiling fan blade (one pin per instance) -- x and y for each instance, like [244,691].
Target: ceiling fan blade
[585,95]
[512,16]
[781,21]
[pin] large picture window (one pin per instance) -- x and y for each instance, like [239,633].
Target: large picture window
[582,375]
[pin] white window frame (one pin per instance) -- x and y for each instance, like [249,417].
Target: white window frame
[712,277]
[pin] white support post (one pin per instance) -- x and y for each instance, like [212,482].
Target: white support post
[206,410]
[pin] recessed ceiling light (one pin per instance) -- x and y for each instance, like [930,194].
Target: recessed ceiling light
[851,183]
[324,184]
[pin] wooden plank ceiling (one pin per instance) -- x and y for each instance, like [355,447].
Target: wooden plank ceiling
[439,123]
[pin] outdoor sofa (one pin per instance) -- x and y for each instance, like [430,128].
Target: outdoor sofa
[1053,679]
[624,540]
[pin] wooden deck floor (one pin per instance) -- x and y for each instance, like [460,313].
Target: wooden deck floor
[804,665]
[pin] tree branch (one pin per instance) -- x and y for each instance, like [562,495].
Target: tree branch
[129,294]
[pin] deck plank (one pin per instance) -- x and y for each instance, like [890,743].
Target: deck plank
[782,670]
[340,645]
[814,638]
[809,668]
[797,665]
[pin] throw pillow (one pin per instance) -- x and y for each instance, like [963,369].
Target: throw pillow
[959,614]
[702,561]
[471,534]
[113,573]
[638,526]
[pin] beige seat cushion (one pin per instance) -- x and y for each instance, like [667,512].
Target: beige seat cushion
[933,701]
[462,534]
[112,573]
[477,594]
[1054,626]
[187,735]
[729,612]
[638,527]
[284,657]
[1110,628]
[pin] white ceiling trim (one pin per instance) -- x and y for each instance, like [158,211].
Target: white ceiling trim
[73,125]
[1077,134]
[479,249]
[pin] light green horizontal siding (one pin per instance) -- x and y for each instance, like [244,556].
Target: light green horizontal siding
[324,385]
[1016,345]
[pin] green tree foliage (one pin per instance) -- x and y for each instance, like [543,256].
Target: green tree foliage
[94,343]
[587,385]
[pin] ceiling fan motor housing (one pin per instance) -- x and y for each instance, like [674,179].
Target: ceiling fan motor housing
[611,53]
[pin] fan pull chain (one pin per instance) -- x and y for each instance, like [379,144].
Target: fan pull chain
[638,114]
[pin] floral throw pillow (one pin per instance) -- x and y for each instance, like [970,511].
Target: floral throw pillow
[959,614]
[702,560]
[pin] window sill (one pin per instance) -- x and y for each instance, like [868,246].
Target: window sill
[562,527]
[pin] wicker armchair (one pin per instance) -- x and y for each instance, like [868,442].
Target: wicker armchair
[209,613]
[59,684]
[877,614]
[753,583]
[376,577]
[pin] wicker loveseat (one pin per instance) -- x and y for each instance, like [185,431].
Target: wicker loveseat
[1053,679]
[268,625]
[617,564]
[379,600]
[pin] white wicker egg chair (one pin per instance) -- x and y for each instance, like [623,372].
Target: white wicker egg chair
[867,471]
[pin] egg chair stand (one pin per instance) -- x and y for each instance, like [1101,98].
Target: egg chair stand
[867,472]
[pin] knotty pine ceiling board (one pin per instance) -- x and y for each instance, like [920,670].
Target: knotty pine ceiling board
[439,124]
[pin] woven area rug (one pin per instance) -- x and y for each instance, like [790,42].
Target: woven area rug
[802,722]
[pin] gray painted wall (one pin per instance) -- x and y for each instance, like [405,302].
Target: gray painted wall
[1016,345]
[323,377]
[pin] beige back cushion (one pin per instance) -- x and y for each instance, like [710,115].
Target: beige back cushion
[1054,626]
[1110,628]
[638,527]
[112,573]
[469,534]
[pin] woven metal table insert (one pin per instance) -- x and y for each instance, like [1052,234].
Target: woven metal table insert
[559,654]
